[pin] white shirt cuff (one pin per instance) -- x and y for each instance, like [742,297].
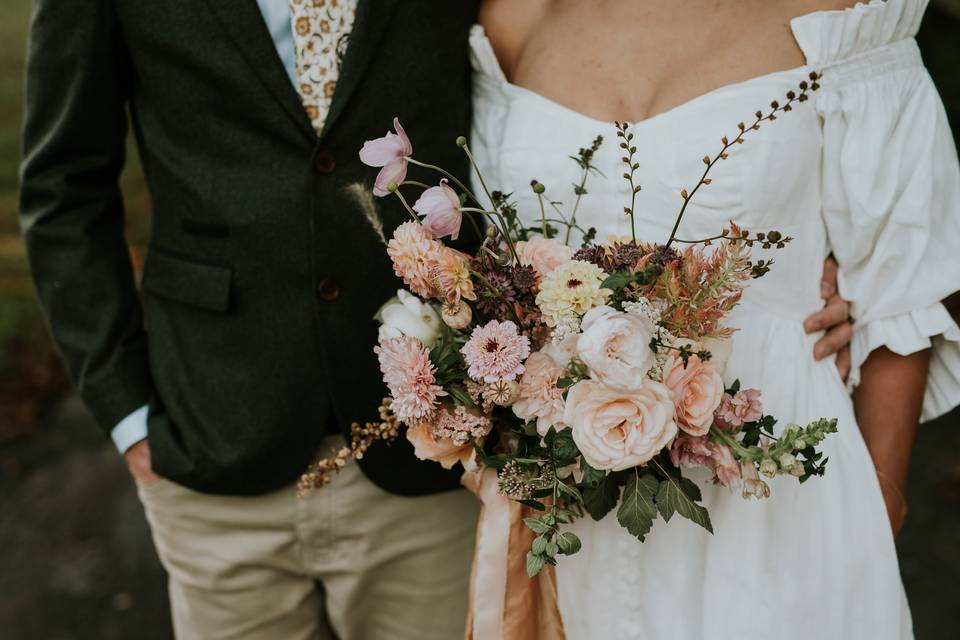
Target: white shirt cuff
[131,429]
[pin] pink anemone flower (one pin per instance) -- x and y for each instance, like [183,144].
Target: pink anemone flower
[390,152]
[440,207]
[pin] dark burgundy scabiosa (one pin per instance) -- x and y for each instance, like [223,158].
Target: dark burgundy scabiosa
[594,254]
[625,256]
[663,255]
[524,277]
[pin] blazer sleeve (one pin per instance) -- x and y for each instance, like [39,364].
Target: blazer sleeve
[77,87]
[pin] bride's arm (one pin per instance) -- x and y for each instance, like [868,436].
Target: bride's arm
[888,402]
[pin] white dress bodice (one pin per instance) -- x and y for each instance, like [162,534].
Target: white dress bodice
[866,170]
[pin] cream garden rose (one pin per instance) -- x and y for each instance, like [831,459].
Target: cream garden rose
[697,390]
[616,347]
[617,430]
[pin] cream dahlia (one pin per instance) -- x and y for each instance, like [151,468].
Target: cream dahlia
[572,288]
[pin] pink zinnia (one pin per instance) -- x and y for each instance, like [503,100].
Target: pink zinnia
[738,409]
[409,375]
[390,152]
[496,351]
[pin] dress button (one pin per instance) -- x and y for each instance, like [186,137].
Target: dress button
[324,162]
[328,290]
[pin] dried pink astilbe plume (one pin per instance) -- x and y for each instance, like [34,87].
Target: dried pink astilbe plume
[410,376]
[391,152]
[460,425]
[496,351]
[413,252]
[737,409]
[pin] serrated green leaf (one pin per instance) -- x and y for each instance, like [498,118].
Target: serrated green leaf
[535,564]
[568,542]
[637,507]
[536,525]
[600,499]
[681,495]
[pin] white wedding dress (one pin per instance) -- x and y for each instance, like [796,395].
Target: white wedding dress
[866,169]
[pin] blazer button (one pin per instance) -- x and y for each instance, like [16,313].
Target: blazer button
[328,290]
[324,162]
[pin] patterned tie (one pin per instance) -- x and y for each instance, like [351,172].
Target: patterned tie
[320,32]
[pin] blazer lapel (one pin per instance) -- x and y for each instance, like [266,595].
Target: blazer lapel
[244,23]
[369,25]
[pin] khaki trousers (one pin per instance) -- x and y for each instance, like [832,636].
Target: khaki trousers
[349,561]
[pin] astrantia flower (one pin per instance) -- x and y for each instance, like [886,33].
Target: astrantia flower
[412,251]
[450,274]
[573,287]
[496,351]
[440,207]
[409,374]
[390,152]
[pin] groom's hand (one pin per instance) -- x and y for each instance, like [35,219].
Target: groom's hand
[138,461]
[834,320]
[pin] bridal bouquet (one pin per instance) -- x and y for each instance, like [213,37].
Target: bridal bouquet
[587,376]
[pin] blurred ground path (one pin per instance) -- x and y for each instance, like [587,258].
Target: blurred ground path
[76,561]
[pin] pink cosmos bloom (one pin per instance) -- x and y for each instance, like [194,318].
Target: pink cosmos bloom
[409,374]
[496,351]
[390,152]
[440,207]
[743,407]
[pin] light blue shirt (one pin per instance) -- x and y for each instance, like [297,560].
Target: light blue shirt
[276,15]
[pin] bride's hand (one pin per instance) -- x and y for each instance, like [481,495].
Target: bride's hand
[833,319]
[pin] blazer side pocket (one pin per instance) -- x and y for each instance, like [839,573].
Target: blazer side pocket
[183,280]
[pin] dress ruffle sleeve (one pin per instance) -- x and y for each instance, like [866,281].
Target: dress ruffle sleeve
[891,187]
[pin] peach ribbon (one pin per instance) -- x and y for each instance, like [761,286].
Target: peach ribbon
[504,603]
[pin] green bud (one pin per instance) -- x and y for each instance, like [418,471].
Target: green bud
[392,187]
[787,461]
[768,467]
[799,444]
[538,187]
[461,141]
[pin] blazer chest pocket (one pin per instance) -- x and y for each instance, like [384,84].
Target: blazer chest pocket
[183,280]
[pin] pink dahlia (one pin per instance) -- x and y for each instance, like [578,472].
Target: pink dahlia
[413,252]
[496,351]
[540,398]
[409,375]
[743,407]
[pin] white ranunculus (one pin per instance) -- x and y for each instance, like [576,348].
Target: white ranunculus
[616,347]
[408,315]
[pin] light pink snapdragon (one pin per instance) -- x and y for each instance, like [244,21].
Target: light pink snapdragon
[738,409]
[390,152]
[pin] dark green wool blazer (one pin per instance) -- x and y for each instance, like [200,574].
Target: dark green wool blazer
[255,329]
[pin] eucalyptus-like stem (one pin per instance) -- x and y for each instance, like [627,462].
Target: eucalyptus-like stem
[632,166]
[543,215]
[505,230]
[576,206]
[775,107]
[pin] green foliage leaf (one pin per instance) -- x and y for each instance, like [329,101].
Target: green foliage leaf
[591,477]
[536,525]
[564,449]
[637,507]
[539,546]
[601,498]
[681,495]
[618,280]
[568,542]
[460,396]
[535,564]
